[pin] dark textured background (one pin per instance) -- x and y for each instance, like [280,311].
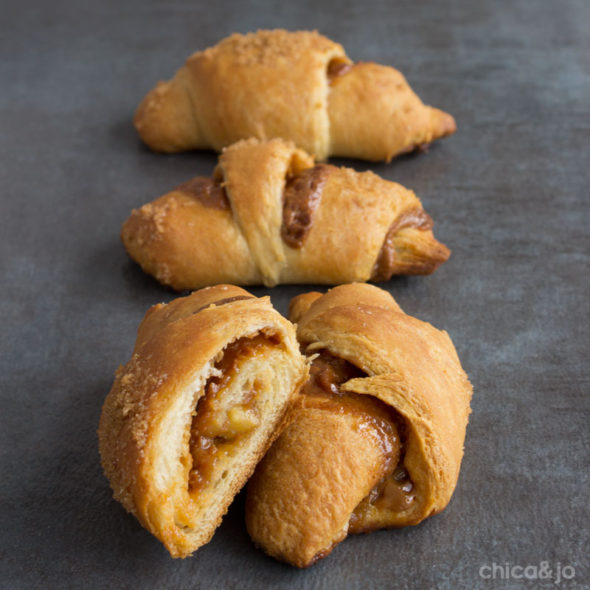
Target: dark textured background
[509,193]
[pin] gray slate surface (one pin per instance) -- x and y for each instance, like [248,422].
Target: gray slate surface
[509,193]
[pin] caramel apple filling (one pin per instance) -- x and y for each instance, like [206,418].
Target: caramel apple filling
[392,495]
[394,492]
[218,427]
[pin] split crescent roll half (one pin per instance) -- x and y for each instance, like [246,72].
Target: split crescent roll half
[296,85]
[375,439]
[269,215]
[189,416]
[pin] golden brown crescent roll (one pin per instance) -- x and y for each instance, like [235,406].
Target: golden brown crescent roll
[196,407]
[295,85]
[268,215]
[376,438]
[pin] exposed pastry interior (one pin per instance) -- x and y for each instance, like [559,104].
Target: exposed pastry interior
[189,416]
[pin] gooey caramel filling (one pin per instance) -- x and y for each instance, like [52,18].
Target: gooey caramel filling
[216,430]
[385,263]
[394,492]
[338,67]
[209,191]
[301,198]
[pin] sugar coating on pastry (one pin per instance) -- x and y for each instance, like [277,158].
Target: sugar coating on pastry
[189,416]
[270,215]
[300,86]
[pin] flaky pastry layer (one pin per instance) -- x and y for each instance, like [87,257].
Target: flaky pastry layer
[296,85]
[353,226]
[327,474]
[189,416]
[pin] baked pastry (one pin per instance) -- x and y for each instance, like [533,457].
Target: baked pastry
[295,85]
[376,438]
[268,215]
[189,416]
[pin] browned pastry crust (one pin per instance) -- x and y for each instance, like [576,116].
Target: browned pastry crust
[195,408]
[296,85]
[330,472]
[270,216]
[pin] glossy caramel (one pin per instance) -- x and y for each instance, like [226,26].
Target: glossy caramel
[338,67]
[209,191]
[395,491]
[301,198]
[385,263]
[215,431]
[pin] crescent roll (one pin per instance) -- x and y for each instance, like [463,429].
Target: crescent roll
[195,408]
[375,439]
[269,215]
[296,85]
